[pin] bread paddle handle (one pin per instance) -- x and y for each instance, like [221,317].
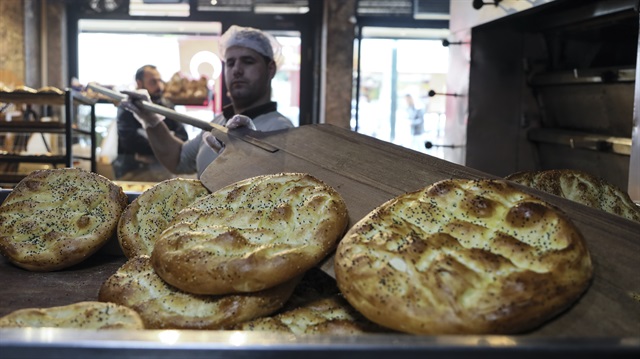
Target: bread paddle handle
[221,132]
[152,107]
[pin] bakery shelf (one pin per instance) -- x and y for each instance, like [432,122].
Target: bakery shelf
[32,98]
[32,126]
[85,158]
[70,128]
[44,98]
[582,140]
[81,131]
[33,158]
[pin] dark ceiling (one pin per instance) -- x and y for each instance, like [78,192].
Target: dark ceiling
[412,8]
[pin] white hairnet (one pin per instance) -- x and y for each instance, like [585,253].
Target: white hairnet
[254,39]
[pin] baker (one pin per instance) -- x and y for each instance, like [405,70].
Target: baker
[250,57]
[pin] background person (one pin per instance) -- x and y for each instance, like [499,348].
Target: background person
[136,160]
[250,57]
[415,116]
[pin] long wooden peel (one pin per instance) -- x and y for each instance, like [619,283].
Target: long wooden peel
[367,172]
[152,107]
[217,130]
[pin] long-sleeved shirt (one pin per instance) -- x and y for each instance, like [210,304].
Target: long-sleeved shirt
[196,155]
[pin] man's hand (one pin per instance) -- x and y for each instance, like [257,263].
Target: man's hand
[133,104]
[240,121]
[212,142]
[235,122]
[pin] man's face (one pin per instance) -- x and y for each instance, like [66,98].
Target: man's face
[248,77]
[152,83]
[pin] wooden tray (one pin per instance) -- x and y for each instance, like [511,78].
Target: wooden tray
[368,172]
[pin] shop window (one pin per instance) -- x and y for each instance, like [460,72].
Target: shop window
[396,74]
[110,52]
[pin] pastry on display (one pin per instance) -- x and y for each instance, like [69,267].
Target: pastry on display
[581,187]
[151,212]
[90,93]
[81,315]
[162,306]
[56,218]
[328,316]
[251,235]
[463,257]
[50,90]
[181,88]
[23,89]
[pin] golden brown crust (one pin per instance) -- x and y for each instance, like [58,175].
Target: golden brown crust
[56,218]
[24,89]
[161,306]
[330,316]
[81,315]
[463,257]
[51,90]
[150,213]
[580,187]
[251,235]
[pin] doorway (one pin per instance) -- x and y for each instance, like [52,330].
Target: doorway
[110,52]
[394,71]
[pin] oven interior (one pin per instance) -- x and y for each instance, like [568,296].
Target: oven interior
[556,86]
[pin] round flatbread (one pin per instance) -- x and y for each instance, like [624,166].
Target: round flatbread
[581,187]
[56,218]
[329,316]
[150,213]
[161,306]
[251,235]
[82,315]
[463,257]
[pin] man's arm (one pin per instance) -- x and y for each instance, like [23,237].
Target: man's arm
[178,129]
[130,140]
[165,145]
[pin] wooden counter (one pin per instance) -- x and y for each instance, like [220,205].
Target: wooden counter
[367,172]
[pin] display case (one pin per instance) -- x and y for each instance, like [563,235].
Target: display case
[69,129]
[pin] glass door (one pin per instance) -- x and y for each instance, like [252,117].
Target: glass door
[110,52]
[394,76]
